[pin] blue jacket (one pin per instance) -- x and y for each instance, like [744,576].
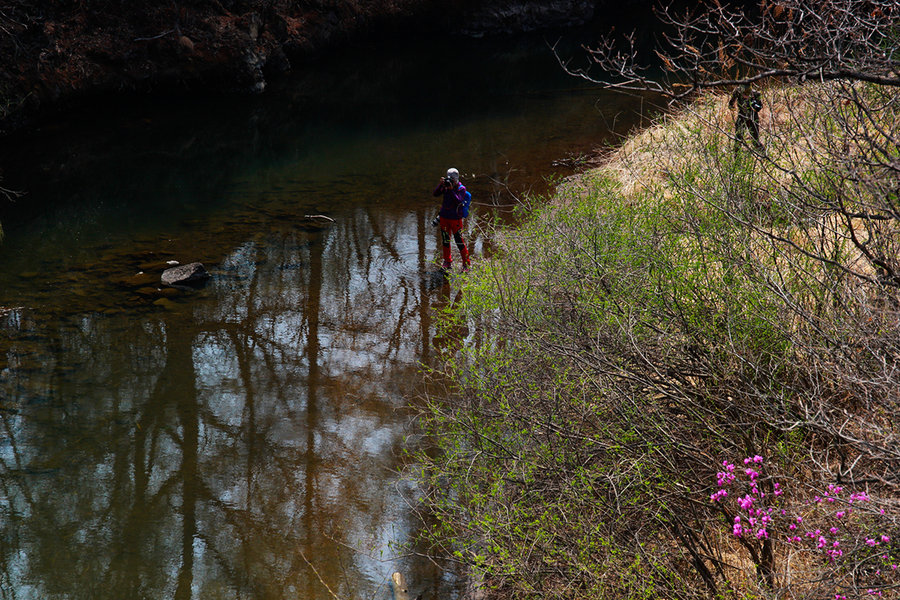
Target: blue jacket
[451,207]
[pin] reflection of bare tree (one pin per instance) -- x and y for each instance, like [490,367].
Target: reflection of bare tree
[225,448]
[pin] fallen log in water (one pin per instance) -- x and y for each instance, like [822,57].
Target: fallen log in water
[323,217]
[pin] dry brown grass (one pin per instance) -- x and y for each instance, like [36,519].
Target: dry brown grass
[650,166]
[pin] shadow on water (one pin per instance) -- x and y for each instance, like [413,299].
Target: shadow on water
[244,440]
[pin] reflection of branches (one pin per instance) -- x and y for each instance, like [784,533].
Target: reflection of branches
[233,413]
[318,576]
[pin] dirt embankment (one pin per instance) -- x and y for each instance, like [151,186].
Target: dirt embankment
[55,51]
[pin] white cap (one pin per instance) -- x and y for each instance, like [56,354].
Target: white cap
[452,174]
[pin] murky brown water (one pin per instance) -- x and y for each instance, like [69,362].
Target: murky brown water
[245,440]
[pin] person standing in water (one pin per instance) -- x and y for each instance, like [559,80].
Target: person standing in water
[454,209]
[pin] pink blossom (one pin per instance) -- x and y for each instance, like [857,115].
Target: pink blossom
[871,542]
[885,539]
[860,496]
[839,514]
[724,478]
[822,542]
[762,534]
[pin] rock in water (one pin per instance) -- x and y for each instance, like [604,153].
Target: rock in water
[189,275]
[398,583]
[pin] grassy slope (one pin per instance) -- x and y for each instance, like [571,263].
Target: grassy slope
[681,306]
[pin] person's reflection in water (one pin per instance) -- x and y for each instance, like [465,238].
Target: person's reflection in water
[453,330]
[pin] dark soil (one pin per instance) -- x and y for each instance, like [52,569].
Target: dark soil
[59,51]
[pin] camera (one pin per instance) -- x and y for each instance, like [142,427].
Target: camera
[436,221]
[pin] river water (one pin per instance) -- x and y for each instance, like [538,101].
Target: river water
[246,440]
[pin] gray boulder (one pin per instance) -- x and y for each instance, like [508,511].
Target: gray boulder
[189,275]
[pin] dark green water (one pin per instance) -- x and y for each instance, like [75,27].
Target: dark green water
[245,440]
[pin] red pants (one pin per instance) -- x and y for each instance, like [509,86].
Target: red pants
[453,227]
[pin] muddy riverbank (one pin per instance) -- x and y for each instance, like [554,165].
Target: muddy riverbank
[60,53]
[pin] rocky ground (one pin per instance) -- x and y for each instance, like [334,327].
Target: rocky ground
[55,51]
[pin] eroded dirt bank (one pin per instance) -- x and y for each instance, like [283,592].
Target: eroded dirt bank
[56,51]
